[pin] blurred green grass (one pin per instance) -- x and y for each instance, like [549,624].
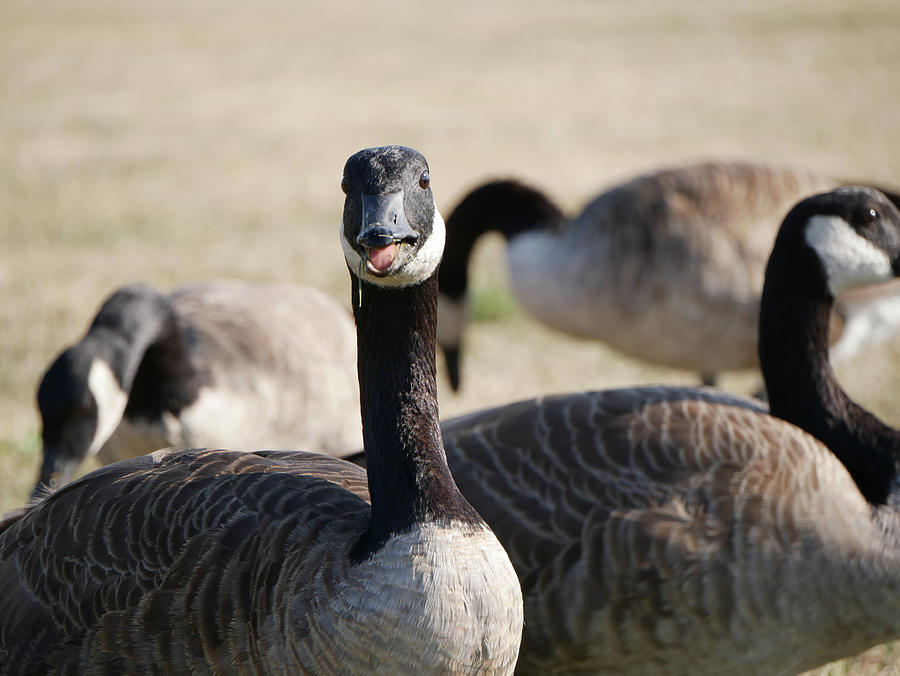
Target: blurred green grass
[491,304]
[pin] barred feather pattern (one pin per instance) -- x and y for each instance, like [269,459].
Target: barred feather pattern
[227,562]
[682,531]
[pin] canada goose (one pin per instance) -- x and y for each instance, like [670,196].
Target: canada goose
[273,561]
[678,253]
[794,358]
[688,531]
[212,363]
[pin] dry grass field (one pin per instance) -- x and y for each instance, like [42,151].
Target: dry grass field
[171,141]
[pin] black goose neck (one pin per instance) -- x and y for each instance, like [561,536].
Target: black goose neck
[147,349]
[801,383]
[507,207]
[409,480]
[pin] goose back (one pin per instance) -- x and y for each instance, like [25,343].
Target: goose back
[220,509]
[282,361]
[679,252]
[676,529]
[243,534]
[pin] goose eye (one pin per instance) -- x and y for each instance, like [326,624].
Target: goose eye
[869,216]
[424,180]
[345,185]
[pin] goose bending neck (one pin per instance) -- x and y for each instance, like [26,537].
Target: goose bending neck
[801,384]
[505,206]
[138,328]
[409,481]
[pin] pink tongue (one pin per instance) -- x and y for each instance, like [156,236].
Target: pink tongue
[380,258]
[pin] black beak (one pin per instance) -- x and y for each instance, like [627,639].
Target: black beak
[451,358]
[55,471]
[384,221]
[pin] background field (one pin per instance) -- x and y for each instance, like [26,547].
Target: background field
[171,141]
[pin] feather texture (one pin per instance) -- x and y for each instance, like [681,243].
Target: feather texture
[679,252]
[281,562]
[690,531]
[677,529]
[206,569]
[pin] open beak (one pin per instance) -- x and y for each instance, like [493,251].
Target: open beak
[384,227]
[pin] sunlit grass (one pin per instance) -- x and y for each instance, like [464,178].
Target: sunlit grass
[18,469]
[491,304]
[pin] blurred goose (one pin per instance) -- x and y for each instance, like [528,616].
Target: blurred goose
[678,253]
[688,531]
[273,561]
[212,363]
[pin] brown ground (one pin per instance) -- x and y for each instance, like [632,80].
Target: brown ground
[171,141]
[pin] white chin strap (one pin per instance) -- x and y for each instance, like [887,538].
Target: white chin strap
[414,271]
[111,401]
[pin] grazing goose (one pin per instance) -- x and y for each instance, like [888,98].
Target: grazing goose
[687,531]
[273,561]
[678,253]
[213,363]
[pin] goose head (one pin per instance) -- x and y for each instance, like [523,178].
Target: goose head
[391,233]
[81,402]
[854,232]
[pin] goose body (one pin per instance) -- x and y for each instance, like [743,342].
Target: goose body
[213,363]
[687,531]
[253,571]
[677,531]
[678,253]
[276,561]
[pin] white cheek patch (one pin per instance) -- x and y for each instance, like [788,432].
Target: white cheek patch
[415,271]
[849,260]
[110,399]
[451,320]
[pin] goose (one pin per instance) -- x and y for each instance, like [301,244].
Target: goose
[678,252]
[214,362]
[688,531]
[794,357]
[283,562]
